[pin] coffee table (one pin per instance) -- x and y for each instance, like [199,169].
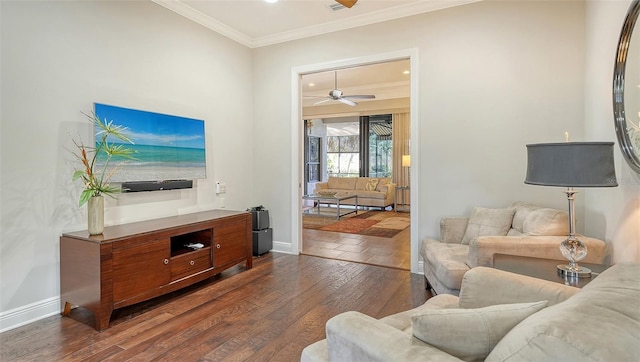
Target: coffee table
[544,269]
[337,200]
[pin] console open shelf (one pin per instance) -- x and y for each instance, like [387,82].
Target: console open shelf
[180,243]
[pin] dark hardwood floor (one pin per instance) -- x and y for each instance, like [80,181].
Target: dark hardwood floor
[268,313]
[393,252]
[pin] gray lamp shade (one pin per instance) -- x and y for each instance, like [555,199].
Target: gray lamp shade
[571,164]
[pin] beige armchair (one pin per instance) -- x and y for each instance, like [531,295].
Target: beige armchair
[499,316]
[522,229]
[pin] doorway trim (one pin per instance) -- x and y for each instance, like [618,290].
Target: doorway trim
[297,139]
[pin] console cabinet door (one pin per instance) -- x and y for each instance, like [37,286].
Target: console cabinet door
[230,243]
[140,268]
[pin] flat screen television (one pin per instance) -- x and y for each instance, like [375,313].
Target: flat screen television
[169,150]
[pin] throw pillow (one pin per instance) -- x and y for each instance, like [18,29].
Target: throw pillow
[543,221]
[488,222]
[470,334]
[382,183]
[371,184]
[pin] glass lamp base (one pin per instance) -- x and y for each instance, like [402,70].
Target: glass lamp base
[577,272]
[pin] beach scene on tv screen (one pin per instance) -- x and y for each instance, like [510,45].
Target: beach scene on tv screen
[166,147]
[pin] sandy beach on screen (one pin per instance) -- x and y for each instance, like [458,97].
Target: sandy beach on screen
[131,173]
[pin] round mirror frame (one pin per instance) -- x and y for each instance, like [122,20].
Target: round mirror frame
[622,128]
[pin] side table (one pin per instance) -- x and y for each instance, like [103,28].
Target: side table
[403,205]
[544,269]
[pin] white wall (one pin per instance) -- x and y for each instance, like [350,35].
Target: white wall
[60,57]
[493,76]
[612,214]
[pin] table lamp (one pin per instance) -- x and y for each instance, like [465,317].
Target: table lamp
[571,164]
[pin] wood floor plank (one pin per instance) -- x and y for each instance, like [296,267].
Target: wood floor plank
[268,313]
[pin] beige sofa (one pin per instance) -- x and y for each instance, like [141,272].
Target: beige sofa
[371,191]
[521,229]
[499,316]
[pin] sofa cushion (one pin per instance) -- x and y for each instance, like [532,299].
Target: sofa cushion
[382,182]
[534,220]
[342,183]
[448,262]
[361,183]
[370,194]
[488,222]
[402,320]
[522,211]
[544,221]
[599,323]
[470,334]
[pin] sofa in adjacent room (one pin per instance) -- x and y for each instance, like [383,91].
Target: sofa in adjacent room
[522,229]
[499,316]
[371,191]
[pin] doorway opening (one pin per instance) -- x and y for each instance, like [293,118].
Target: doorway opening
[338,144]
[297,139]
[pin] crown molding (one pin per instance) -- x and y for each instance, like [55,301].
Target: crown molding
[206,21]
[397,12]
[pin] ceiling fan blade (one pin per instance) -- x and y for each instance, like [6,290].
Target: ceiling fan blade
[347,101]
[323,101]
[347,3]
[361,96]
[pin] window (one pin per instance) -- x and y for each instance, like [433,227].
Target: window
[314,159]
[343,159]
[380,146]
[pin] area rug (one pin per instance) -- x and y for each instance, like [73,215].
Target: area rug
[384,224]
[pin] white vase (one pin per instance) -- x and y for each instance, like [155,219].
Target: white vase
[95,213]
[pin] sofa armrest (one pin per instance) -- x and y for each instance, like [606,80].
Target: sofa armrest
[389,191]
[320,186]
[452,229]
[353,336]
[484,286]
[482,249]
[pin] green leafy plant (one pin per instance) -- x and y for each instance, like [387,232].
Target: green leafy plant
[95,173]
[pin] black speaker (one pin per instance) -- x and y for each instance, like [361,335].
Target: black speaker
[260,219]
[262,241]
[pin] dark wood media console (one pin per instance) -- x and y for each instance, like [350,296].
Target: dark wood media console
[134,262]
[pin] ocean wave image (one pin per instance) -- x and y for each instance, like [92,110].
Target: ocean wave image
[165,147]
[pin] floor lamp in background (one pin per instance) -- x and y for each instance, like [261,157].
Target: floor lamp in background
[571,164]
[406,162]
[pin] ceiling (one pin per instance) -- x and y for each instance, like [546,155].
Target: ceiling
[389,80]
[256,23]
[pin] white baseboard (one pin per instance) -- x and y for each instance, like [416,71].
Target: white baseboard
[282,247]
[29,313]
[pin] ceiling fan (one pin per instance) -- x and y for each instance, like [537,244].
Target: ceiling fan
[337,95]
[347,3]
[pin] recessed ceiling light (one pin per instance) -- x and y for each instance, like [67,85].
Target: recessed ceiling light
[406,72]
[271,1]
[312,84]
